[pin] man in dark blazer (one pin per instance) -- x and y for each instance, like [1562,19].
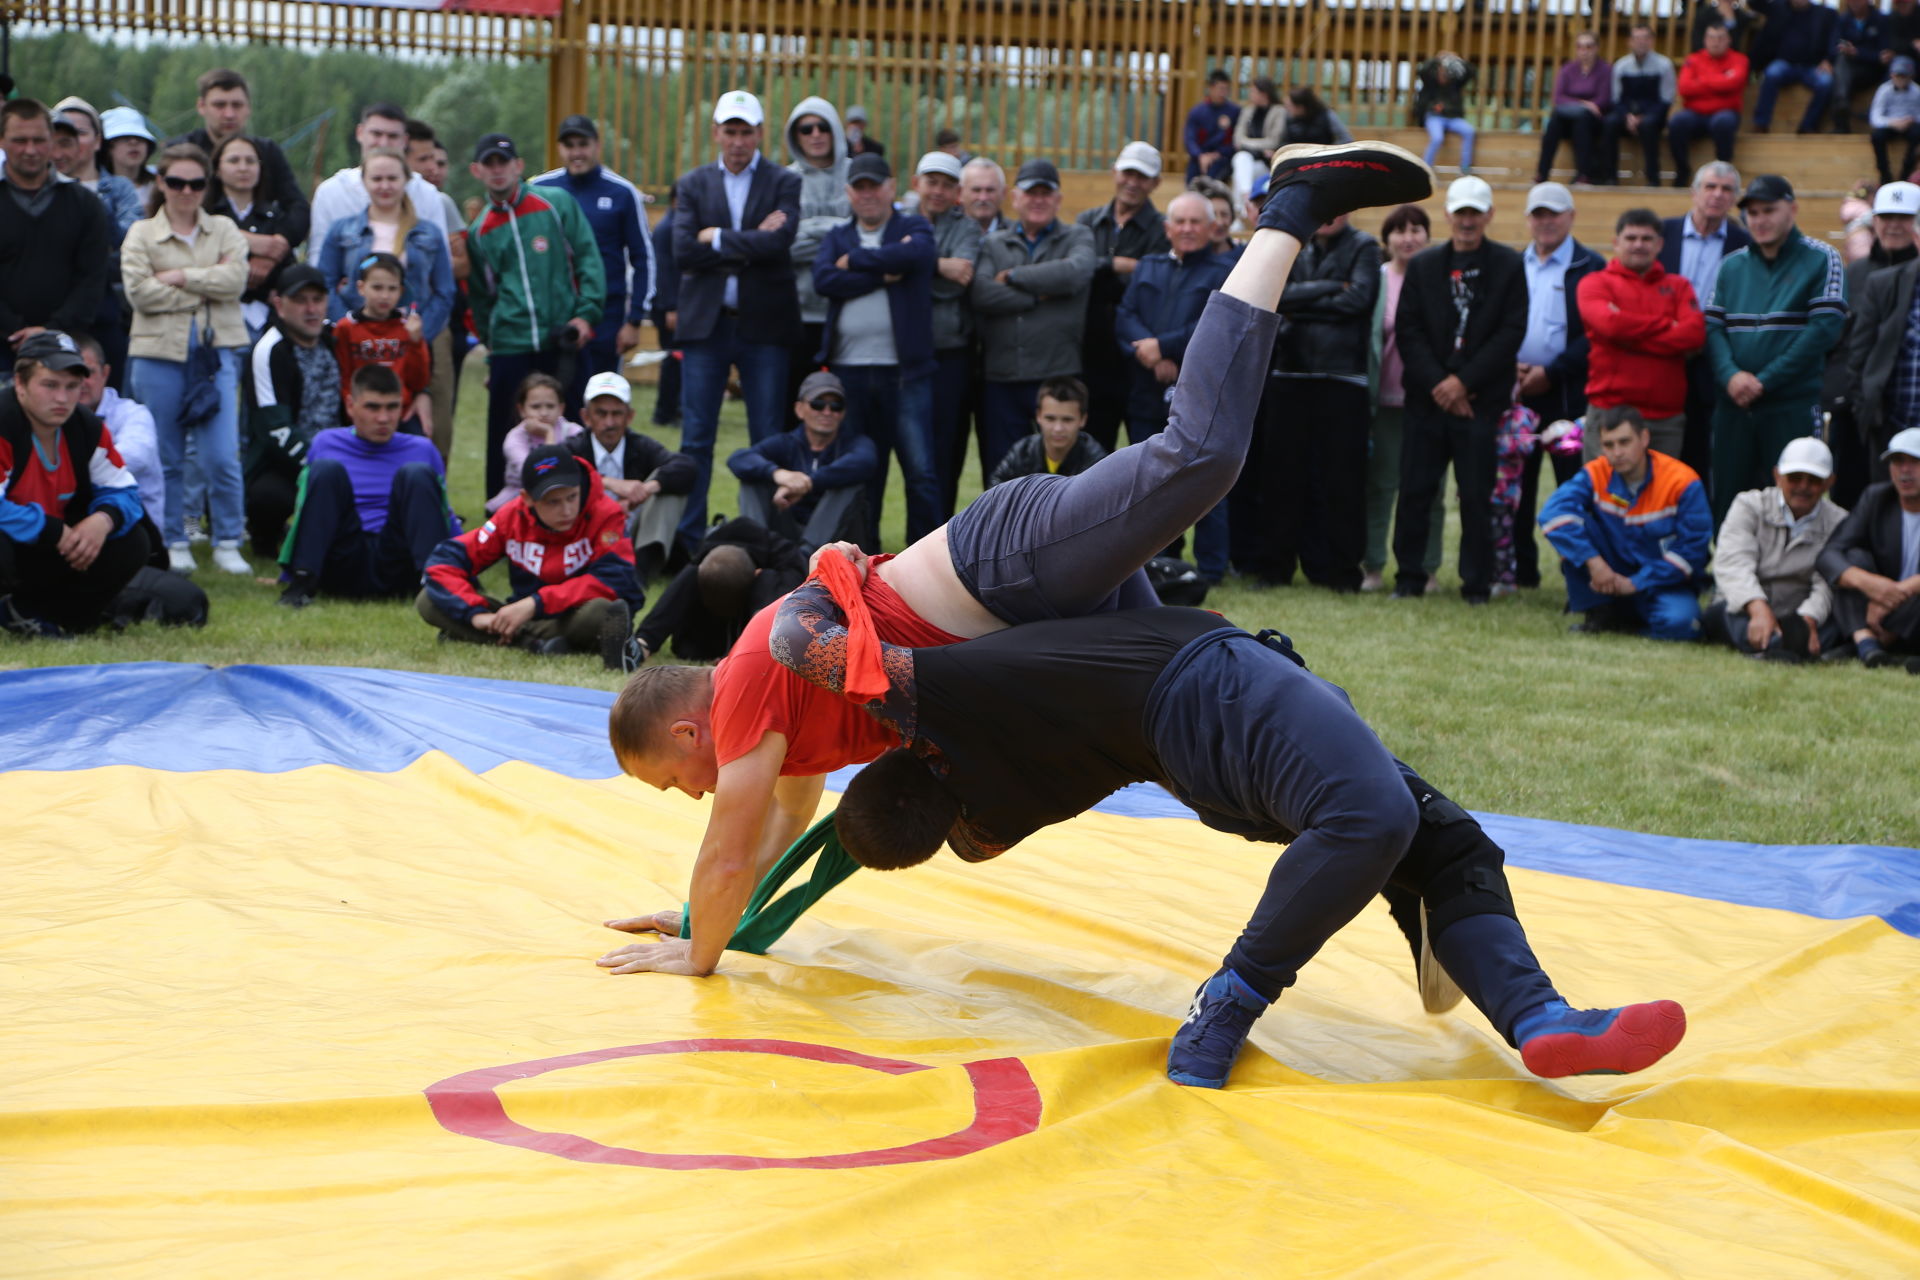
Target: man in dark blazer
[1463,314]
[1693,245]
[1873,562]
[733,228]
[641,474]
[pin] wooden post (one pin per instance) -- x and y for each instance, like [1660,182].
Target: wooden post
[1187,83]
[566,73]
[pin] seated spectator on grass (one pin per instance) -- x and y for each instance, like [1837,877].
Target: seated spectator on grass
[1060,444]
[1632,530]
[570,574]
[379,332]
[70,516]
[1768,601]
[649,481]
[541,422]
[373,503]
[1895,113]
[131,427]
[1642,325]
[809,485]
[291,390]
[1712,87]
[1873,562]
[1582,96]
[740,568]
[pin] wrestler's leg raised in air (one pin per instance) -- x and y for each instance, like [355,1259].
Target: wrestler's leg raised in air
[1055,546]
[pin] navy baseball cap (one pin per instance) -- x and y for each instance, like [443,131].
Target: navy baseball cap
[578,127]
[54,350]
[494,144]
[550,467]
[868,167]
[1768,187]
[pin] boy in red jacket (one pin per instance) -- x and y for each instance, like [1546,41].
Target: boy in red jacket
[1642,323]
[570,567]
[375,334]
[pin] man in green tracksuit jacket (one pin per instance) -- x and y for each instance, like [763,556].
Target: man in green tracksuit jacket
[537,287]
[1778,308]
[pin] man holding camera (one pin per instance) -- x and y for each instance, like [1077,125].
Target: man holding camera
[537,286]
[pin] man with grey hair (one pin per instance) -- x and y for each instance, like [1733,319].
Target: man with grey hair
[1125,229]
[1693,245]
[983,186]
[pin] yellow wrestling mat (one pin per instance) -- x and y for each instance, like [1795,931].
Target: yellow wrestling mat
[332,1022]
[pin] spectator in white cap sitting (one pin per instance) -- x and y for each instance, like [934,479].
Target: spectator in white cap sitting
[734,223]
[956,239]
[858,143]
[1769,602]
[1125,229]
[1873,562]
[810,484]
[649,481]
[1895,113]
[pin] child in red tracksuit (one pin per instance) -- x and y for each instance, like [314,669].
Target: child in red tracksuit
[375,334]
[570,567]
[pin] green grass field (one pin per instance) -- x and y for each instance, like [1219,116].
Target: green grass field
[1499,706]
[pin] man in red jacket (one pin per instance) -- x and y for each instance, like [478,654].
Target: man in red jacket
[1642,323]
[570,567]
[1712,85]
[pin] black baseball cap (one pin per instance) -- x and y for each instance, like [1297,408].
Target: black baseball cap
[1769,187]
[53,350]
[548,468]
[297,277]
[867,167]
[495,144]
[581,126]
[1036,173]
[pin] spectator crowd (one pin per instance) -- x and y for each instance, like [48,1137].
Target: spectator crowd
[201,352]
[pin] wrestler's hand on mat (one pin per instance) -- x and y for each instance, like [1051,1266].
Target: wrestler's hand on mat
[853,553]
[661,922]
[675,955]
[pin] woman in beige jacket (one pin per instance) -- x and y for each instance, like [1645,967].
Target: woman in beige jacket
[184,271]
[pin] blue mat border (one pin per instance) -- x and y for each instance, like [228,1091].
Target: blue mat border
[181,717]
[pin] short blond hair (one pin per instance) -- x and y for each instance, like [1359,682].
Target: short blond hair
[652,699]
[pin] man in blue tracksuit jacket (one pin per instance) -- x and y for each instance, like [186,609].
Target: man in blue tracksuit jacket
[615,210]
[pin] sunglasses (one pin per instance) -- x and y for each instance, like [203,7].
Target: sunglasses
[184,184]
[827,404]
[804,129]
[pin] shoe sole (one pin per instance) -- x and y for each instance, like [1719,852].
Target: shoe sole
[613,638]
[1196,1082]
[1640,1036]
[1438,991]
[1382,157]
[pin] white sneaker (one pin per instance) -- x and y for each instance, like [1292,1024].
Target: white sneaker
[180,558]
[227,558]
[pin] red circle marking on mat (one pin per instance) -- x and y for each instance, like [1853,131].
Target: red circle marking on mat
[1006,1104]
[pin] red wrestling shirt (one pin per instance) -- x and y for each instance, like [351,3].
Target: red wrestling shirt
[753,695]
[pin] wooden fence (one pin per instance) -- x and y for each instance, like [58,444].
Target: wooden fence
[1071,80]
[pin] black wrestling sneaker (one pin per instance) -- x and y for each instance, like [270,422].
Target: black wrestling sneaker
[614,631]
[1340,179]
[299,592]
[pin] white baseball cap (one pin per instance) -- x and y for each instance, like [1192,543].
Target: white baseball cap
[609,384]
[1906,442]
[939,162]
[738,104]
[1806,456]
[1140,157]
[1546,195]
[1469,193]
[1897,197]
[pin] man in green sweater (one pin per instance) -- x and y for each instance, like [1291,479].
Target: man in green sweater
[537,287]
[1778,308]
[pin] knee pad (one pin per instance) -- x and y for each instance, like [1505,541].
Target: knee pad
[1452,863]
